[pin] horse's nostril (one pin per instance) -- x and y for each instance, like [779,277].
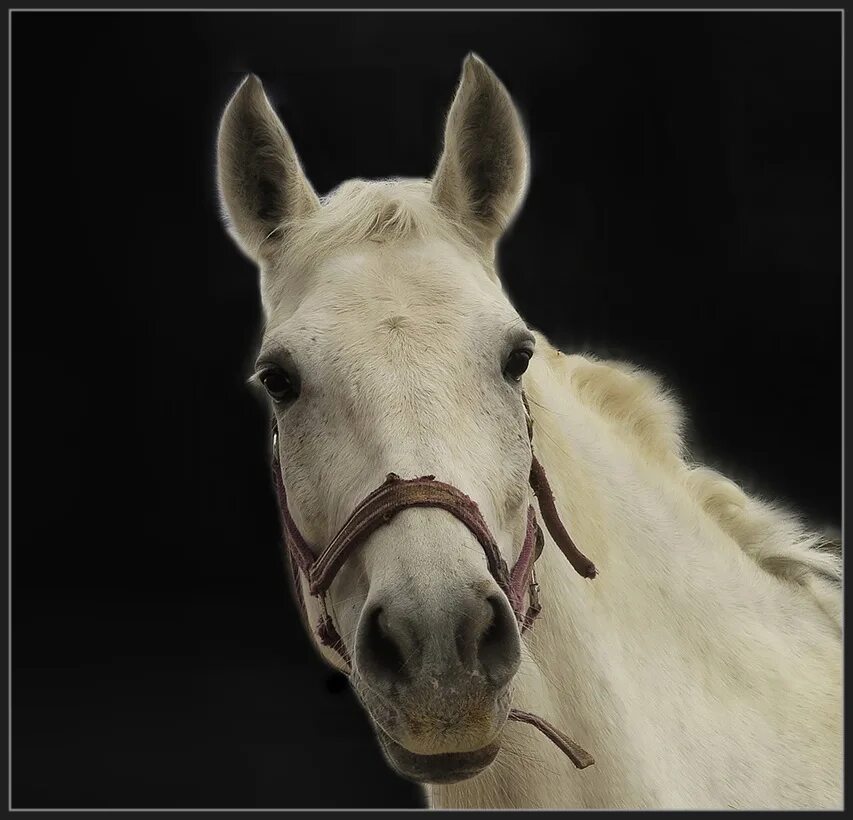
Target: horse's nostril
[499,649]
[379,651]
[402,646]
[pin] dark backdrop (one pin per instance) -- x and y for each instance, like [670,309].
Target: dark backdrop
[684,212]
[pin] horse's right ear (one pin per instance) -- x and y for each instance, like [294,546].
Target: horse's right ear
[482,175]
[261,183]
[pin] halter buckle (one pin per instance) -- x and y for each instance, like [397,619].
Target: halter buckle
[534,607]
[540,541]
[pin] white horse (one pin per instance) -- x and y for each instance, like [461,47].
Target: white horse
[701,668]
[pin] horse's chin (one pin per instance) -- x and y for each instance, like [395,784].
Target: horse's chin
[448,767]
[448,735]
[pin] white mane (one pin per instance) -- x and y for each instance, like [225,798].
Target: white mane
[641,410]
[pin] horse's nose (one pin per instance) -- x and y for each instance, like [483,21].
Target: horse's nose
[401,644]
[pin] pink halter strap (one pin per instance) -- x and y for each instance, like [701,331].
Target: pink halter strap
[396,494]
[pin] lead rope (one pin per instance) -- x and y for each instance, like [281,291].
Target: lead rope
[580,757]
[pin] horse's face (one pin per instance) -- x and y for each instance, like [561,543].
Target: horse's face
[390,347]
[401,358]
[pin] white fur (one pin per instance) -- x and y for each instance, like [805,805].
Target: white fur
[697,675]
[702,668]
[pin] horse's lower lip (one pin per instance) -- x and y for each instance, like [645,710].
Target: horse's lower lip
[449,767]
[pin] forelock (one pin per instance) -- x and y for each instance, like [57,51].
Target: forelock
[367,211]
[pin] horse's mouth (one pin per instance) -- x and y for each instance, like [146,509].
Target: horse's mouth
[449,767]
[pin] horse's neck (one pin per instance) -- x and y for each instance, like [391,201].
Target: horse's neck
[682,668]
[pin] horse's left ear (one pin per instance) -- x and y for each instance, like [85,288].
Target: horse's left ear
[482,175]
[261,182]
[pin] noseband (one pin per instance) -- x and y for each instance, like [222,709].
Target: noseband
[396,494]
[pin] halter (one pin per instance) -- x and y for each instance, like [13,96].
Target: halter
[396,494]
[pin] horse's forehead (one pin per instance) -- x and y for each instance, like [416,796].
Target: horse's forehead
[422,274]
[409,287]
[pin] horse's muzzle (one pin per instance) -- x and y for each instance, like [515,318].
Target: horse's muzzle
[441,733]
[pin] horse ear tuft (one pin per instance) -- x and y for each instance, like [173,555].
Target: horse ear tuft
[261,182]
[482,174]
[475,64]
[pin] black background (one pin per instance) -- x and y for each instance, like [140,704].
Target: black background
[684,213]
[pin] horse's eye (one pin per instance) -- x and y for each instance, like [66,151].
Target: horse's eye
[517,363]
[280,385]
